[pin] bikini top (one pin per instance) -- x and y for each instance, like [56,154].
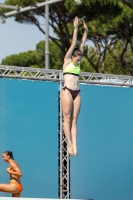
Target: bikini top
[72,69]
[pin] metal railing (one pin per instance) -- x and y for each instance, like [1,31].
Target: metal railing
[56,75]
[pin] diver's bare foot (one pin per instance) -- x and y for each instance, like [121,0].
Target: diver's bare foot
[70,149]
[75,150]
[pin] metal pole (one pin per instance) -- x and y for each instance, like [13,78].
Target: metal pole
[61,141]
[46,36]
[30,7]
[8,6]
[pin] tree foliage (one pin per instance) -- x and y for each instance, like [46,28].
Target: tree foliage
[129,3]
[110,26]
[35,58]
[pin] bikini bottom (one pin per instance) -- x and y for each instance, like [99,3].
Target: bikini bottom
[74,93]
[19,186]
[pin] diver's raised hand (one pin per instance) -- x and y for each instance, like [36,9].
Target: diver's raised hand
[75,22]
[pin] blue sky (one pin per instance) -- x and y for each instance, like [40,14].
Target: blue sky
[16,38]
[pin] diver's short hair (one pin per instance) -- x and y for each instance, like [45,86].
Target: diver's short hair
[77,52]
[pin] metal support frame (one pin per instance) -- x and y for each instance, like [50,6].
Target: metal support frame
[54,75]
[64,163]
[57,76]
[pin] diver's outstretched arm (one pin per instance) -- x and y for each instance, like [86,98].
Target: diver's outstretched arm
[81,47]
[74,39]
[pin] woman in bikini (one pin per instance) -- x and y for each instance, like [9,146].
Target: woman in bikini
[14,186]
[70,95]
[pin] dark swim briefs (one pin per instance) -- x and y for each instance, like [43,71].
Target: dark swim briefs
[74,93]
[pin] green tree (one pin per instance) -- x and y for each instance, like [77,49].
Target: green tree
[109,22]
[35,58]
[61,17]
[129,3]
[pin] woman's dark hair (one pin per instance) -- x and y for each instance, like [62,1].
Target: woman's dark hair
[9,153]
[77,52]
